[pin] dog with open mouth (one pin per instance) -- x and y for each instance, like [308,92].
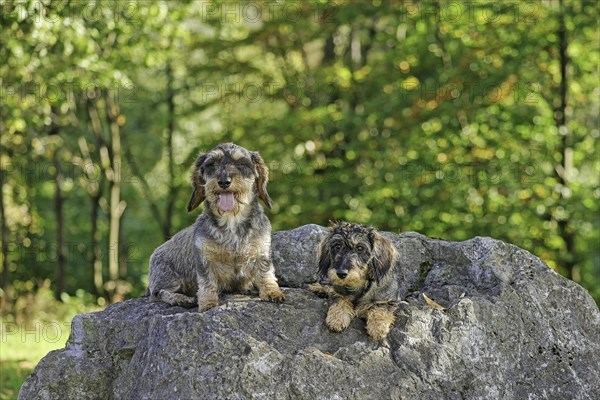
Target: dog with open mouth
[228,248]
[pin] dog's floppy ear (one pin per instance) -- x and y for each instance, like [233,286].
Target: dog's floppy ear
[324,256]
[198,194]
[263,178]
[383,257]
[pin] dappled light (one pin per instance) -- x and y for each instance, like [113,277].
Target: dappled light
[453,119]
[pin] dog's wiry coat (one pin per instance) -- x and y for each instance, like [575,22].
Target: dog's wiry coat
[228,248]
[361,266]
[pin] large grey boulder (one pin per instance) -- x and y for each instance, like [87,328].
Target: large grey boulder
[512,329]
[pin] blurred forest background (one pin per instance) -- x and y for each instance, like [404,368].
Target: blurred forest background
[453,119]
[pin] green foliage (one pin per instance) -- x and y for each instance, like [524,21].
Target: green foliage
[439,117]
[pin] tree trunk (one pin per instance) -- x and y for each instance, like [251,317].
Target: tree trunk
[114,176]
[4,246]
[564,170]
[94,187]
[123,251]
[98,279]
[170,131]
[113,230]
[60,239]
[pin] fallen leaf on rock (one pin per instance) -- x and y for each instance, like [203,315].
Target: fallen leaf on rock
[432,303]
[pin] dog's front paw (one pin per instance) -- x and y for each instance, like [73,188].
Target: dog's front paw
[339,316]
[319,290]
[378,331]
[379,322]
[273,294]
[207,303]
[338,322]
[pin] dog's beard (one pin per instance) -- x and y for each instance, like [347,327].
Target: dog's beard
[356,280]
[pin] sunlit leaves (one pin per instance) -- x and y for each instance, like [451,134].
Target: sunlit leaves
[406,116]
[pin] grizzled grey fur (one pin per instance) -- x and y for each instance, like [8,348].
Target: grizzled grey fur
[228,248]
[361,266]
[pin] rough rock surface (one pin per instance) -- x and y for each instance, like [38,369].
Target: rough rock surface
[512,329]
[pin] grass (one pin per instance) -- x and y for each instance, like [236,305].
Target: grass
[22,347]
[34,325]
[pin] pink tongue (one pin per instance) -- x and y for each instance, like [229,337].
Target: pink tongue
[226,201]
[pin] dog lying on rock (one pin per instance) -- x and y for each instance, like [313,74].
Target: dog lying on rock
[361,266]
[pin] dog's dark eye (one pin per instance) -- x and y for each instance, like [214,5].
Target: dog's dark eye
[245,167]
[337,247]
[360,248]
[208,167]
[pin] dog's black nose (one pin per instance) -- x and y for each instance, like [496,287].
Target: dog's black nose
[341,274]
[224,183]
